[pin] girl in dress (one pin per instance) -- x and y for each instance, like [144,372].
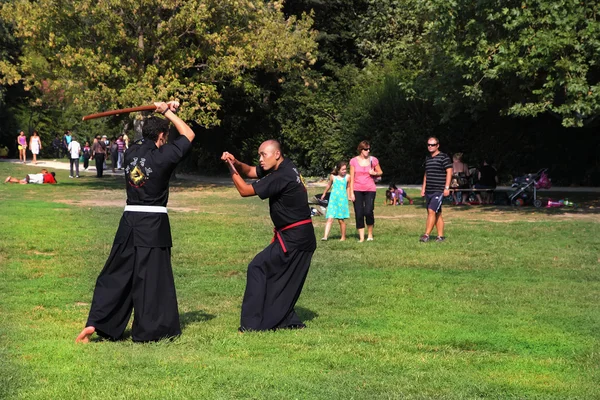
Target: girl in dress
[35,144]
[338,200]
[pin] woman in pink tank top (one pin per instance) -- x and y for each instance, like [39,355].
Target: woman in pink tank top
[22,145]
[364,170]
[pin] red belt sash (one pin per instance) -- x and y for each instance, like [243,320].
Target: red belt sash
[277,232]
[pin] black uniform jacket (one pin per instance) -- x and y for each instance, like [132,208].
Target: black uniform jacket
[147,173]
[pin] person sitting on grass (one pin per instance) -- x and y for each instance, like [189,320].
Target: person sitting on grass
[396,196]
[43,177]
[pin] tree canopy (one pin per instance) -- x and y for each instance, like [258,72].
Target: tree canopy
[319,75]
[112,54]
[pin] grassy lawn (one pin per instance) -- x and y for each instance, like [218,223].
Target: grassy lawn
[508,307]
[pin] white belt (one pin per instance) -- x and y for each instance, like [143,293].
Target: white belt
[148,209]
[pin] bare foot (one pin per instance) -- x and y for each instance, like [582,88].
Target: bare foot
[7,179]
[84,336]
[342,239]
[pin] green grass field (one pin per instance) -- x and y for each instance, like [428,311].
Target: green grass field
[508,307]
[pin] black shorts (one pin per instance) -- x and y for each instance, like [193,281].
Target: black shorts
[433,201]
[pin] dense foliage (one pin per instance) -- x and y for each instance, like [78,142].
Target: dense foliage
[489,77]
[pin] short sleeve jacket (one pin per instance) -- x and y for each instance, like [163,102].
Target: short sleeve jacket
[147,173]
[288,203]
[149,168]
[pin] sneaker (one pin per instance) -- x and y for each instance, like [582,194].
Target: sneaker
[76,176]
[411,202]
[324,239]
[369,239]
[424,238]
[440,238]
[70,176]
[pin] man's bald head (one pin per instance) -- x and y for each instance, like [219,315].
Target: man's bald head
[271,144]
[270,154]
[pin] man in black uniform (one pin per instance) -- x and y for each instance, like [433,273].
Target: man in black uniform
[276,275]
[138,274]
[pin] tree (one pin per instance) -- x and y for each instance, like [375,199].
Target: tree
[529,57]
[112,54]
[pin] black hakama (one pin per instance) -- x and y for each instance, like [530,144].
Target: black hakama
[274,283]
[137,275]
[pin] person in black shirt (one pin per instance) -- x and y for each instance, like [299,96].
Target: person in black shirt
[137,275]
[276,275]
[487,179]
[436,186]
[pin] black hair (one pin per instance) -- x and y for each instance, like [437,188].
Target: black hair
[154,126]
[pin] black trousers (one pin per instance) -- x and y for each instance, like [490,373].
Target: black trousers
[273,285]
[138,279]
[364,205]
[99,164]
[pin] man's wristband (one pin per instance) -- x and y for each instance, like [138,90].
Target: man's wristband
[447,188]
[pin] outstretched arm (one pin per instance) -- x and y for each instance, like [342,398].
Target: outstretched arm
[245,170]
[244,189]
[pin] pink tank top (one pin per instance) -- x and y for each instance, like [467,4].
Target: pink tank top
[363,181]
[22,140]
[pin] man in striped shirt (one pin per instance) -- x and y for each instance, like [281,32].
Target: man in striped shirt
[436,186]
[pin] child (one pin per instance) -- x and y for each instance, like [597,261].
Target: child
[401,195]
[390,195]
[338,200]
[396,196]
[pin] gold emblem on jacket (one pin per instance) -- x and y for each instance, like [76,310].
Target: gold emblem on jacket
[137,176]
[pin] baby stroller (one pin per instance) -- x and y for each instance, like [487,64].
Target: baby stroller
[318,206]
[526,187]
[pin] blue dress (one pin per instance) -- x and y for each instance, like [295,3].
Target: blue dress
[338,200]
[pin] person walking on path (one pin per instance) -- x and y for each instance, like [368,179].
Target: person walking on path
[66,140]
[138,275]
[276,275]
[35,144]
[98,154]
[87,153]
[364,170]
[337,207]
[436,186]
[74,153]
[22,146]
[120,152]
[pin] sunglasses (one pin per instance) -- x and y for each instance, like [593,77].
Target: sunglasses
[432,144]
[369,149]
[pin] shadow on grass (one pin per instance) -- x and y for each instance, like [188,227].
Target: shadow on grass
[305,314]
[587,203]
[117,182]
[190,317]
[185,319]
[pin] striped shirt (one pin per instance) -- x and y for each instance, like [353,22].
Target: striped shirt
[435,172]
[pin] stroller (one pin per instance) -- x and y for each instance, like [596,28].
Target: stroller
[526,187]
[318,206]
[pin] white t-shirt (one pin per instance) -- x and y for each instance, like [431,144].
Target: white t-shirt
[74,148]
